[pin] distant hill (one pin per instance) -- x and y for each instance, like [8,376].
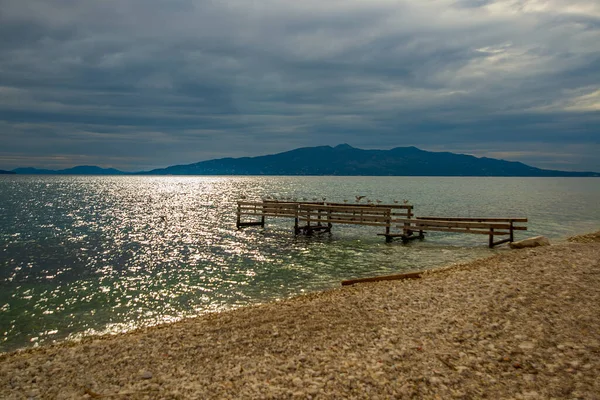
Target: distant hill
[80,170]
[342,160]
[347,160]
[5,172]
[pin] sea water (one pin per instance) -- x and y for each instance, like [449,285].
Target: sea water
[82,255]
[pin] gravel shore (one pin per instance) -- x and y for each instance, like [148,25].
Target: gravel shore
[524,324]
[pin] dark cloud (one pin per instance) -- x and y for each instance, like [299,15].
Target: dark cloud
[138,84]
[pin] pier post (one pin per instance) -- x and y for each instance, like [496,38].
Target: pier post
[388,222]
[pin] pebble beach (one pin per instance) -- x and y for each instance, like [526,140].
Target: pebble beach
[523,324]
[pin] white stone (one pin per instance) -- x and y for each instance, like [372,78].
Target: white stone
[146,375]
[530,242]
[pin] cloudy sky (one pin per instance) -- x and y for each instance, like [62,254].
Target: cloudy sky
[140,84]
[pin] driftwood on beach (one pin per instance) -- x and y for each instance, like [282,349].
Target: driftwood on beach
[395,277]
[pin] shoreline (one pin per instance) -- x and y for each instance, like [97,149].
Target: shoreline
[519,324]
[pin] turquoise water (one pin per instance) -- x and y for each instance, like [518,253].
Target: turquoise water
[88,255]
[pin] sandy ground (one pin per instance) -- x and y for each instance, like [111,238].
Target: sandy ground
[521,325]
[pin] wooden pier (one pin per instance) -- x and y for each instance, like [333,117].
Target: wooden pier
[397,220]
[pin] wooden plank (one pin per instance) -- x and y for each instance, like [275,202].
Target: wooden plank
[344,215]
[347,222]
[400,220]
[361,205]
[291,202]
[338,218]
[456,224]
[338,211]
[280,211]
[353,213]
[474,219]
[459,230]
[342,208]
[282,215]
[396,206]
[410,275]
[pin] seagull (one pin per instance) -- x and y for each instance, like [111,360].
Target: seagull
[378,201]
[395,201]
[405,201]
[359,198]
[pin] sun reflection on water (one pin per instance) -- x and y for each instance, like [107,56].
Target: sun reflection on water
[88,255]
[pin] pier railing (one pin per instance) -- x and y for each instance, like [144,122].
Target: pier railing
[397,219]
[383,215]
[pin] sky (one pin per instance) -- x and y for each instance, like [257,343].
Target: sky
[142,84]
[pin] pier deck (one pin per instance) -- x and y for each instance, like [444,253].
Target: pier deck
[397,220]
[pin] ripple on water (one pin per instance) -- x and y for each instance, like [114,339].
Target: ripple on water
[86,255]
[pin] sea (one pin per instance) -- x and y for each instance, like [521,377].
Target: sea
[91,255]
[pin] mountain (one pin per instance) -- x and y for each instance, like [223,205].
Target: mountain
[2,172]
[339,160]
[80,170]
[347,160]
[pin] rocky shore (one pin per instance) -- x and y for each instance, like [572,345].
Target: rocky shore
[524,324]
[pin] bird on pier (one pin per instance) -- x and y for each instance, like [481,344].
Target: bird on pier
[378,201]
[359,198]
[405,201]
[395,201]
